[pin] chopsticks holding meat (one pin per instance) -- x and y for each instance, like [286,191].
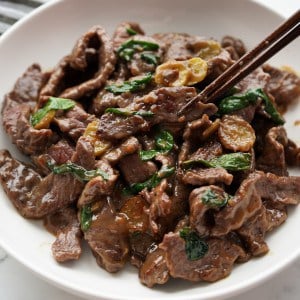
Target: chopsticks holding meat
[278,39]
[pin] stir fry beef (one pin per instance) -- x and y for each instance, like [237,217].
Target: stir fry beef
[94,49]
[107,236]
[207,176]
[65,225]
[98,187]
[60,153]
[139,171]
[248,199]
[73,122]
[124,31]
[234,46]
[273,157]
[112,127]
[16,110]
[112,162]
[283,85]
[216,264]
[154,270]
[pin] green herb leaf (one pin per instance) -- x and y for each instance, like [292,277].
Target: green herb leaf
[195,246]
[149,58]
[236,102]
[86,217]
[126,113]
[52,104]
[79,172]
[130,31]
[212,199]
[270,109]
[232,162]
[150,183]
[164,143]
[130,86]
[147,154]
[127,49]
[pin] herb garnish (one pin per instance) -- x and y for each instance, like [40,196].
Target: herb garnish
[130,86]
[212,199]
[164,142]
[150,183]
[127,113]
[195,246]
[232,162]
[239,101]
[52,104]
[127,49]
[86,217]
[149,58]
[79,172]
[130,31]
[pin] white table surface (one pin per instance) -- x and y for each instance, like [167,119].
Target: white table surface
[19,283]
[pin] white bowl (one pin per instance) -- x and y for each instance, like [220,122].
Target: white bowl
[48,34]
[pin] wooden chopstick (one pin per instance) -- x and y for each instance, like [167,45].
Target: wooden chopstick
[273,43]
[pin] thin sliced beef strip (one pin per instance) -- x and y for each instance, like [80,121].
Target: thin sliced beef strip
[154,270]
[135,170]
[272,158]
[248,199]
[283,85]
[94,48]
[215,265]
[73,122]
[65,226]
[201,176]
[107,237]
[17,108]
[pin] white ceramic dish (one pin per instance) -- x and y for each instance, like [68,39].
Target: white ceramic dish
[48,34]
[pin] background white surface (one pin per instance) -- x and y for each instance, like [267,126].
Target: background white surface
[17,282]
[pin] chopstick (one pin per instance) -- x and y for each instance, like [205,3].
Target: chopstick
[272,44]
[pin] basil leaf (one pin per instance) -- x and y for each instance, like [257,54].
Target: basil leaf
[270,109]
[52,104]
[149,58]
[127,49]
[236,102]
[86,217]
[150,183]
[79,172]
[147,154]
[232,162]
[210,198]
[164,142]
[130,31]
[195,246]
[127,113]
[130,86]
